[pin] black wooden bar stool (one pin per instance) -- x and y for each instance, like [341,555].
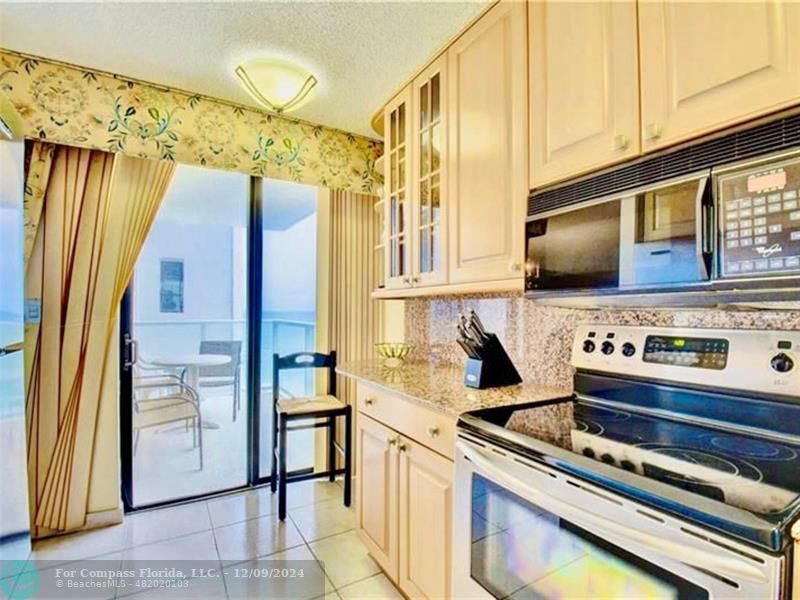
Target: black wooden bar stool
[327,407]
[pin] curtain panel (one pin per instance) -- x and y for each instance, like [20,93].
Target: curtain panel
[94,216]
[355,320]
[80,107]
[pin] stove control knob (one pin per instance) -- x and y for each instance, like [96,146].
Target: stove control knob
[588,346]
[607,348]
[607,458]
[588,452]
[627,465]
[628,349]
[782,363]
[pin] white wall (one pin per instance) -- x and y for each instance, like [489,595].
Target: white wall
[206,250]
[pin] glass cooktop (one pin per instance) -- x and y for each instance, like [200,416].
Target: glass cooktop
[728,463]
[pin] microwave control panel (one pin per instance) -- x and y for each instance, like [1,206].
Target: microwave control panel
[759,215]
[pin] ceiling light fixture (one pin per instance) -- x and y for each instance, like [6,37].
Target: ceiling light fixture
[275,83]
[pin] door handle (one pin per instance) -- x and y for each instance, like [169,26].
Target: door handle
[131,352]
[581,516]
[11,348]
[701,228]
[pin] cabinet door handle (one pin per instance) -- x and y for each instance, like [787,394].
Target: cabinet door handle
[621,142]
[514,266]
[369,401]
[653,131]
[433,431]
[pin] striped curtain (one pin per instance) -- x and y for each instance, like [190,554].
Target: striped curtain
[95,214]
[355,321]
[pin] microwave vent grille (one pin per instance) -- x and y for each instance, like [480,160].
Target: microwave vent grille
[771,137]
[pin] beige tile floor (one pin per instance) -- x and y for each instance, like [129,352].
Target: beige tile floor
[235,529]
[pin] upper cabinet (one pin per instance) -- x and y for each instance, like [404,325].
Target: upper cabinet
[488,136]
[429,194]
[397,190]
[598,82]
[708,65]
[584,87]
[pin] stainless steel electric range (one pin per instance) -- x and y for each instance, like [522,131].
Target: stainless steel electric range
[673,471]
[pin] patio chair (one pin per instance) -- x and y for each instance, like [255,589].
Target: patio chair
[224,375]
[163,399]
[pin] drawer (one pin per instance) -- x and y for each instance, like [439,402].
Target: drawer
[428,427]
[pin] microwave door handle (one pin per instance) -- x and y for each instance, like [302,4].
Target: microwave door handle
[701,228]
[581,515]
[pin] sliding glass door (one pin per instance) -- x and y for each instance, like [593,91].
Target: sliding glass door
[288,315]
[226,278]
[189,337]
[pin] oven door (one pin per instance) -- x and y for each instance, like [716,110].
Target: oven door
[533,532]
[655,237]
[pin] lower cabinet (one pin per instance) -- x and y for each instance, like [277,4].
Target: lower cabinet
[425,517]
[404,500]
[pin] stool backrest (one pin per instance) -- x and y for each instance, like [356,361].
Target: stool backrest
[304,360]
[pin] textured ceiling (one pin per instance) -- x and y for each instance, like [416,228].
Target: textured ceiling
[359,51]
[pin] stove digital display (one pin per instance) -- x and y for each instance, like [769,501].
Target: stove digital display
[704,353]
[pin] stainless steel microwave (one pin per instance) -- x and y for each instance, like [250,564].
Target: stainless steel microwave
[723,228]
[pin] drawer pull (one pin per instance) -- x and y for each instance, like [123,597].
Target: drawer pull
[433,431]
[369,401]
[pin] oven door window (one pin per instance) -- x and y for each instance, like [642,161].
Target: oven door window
[521,551]
[663,236]
[575,249]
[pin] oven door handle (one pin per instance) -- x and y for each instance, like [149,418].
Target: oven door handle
[692,557]
[702,222]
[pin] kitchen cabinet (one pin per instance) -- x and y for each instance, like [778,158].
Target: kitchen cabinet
[397,191]
[584,87]
[429,174]
[377,497]
[708,65]
[425,521]
[404,490]
[488,145]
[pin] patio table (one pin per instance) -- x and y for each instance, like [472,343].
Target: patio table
[192,363]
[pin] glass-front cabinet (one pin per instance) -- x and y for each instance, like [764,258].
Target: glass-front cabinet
[415,181]
[397,191]
[428,113]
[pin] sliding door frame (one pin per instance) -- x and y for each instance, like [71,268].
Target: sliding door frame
[253,405]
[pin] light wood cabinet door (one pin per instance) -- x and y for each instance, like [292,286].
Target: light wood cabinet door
[426,514]
[708,65]
[429,172]
[398,191]
[377,492]
[584,87]
[488,146]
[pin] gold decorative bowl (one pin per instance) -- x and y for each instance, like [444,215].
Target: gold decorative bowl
[393,353]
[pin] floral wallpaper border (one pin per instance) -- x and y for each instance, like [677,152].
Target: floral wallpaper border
[81,107]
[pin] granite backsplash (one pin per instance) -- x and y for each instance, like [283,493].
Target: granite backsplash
[539,338]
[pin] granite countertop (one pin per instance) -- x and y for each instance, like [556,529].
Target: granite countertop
[441,386]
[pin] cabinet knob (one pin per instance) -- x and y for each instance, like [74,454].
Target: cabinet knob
[653,131]
[392,441]
[407,280]
[402,448]
[369,401]
[621,142]
[415,279]
[433,431]
[514,266]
